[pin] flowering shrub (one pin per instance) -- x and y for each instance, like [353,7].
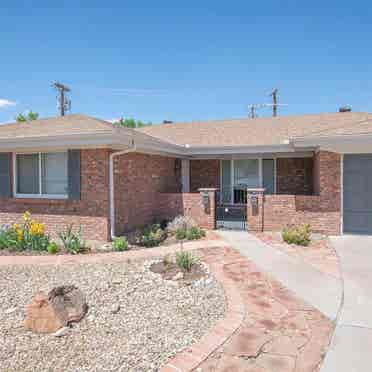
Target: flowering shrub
[29,235]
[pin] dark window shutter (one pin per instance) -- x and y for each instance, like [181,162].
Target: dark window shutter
[5,175]
[74,174]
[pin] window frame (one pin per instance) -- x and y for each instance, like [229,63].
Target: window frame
[260,172]
[40,195]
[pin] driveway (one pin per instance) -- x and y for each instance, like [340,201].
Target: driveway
[351,348]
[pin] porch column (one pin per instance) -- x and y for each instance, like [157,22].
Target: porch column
[255,209]
[185,171]
[207,210]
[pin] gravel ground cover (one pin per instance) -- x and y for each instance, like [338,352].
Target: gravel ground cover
[136,320]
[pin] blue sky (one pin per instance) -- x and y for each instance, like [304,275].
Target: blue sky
[185,60]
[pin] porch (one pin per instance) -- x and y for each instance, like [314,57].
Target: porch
[288,189]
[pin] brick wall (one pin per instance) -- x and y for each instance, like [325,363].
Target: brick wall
[188,204]
[294,176]
[204,173]
[139,179]
[322,211]
[91,211]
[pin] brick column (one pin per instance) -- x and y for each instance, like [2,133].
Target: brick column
[207,208]
[255,209]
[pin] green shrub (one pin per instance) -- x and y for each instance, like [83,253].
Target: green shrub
[8,238]
[185,260]
[120,244]
[52,248]
[150,236]
[181,234]
[195,233]
[72,241]
[299,235]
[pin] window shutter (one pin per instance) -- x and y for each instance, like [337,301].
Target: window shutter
[5,175]
[74,174]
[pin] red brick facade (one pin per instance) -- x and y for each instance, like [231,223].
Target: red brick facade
[204,173]
[139,179]
[294,176]
[90,212]
[322,212]
[147,188]
[189,204]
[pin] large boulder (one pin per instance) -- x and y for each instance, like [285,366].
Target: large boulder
[62,306]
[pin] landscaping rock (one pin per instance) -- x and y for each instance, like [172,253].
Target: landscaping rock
[10,310]
[49,313]
[115,308]
[62,332]
[69,303]
[41,317]
[178,276]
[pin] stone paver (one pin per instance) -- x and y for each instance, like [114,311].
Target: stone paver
[275,335]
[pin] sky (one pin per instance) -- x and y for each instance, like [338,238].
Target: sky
[184,61]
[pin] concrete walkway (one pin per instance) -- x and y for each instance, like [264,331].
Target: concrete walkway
[351,347]
[322,291]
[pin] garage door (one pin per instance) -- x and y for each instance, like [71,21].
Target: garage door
[357,184]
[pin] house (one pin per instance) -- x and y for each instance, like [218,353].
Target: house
[259,174]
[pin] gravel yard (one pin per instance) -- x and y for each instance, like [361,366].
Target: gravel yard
[156,319]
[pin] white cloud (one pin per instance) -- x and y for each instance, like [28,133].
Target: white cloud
[6,103]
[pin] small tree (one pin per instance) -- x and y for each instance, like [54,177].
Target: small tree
[131,123]
[31,115]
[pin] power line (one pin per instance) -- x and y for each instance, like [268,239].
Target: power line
[64,104]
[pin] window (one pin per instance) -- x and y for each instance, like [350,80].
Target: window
[268,175]
[41,175]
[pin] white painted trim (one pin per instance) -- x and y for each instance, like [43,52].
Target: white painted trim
[232,174]
[112,187]
[40,195]
[275,174]
[260,172]
[342,195]
[269,155]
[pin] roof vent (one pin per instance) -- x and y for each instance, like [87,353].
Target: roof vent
[167,121]
[344,109]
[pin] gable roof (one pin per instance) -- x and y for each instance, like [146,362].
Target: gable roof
[76,131]
[56,126]
[261,131]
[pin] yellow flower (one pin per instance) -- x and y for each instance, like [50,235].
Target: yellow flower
[15,226]
[27,216]
[37,228]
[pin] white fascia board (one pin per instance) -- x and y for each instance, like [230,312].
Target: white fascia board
[341,143]
[65,141]
[231,150]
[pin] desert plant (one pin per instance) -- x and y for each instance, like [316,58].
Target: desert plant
[72,241]
[299,235]
[8,237]
[185,260]
[180,222]
[150,236]
[195,233]
[181,234]
[52,248]
[120,244]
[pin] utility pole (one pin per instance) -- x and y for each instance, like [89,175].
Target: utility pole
[274,94]
[64,104]
[252,110]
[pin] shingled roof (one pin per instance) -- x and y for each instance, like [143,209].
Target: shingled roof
[261,131]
